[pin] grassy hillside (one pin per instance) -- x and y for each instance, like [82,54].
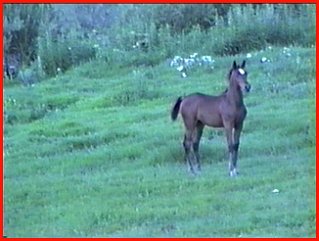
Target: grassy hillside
[93,153]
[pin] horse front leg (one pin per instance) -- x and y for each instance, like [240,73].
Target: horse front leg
[230,142]
[237,132]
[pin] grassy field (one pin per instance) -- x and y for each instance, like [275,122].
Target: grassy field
[93,153]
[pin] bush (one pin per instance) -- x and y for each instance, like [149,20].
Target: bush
[243,28]
[59,55]
[63,36]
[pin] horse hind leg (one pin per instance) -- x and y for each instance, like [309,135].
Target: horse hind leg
[197,137]
[187,143]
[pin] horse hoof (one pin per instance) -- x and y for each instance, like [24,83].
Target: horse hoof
[192,172]
[233,173]
[198,170]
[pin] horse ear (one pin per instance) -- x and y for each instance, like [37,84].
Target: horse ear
[234,65]
[243,64]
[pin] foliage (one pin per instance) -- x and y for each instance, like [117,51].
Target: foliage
[232,30]
[56,37]
[22,23]
[59,56]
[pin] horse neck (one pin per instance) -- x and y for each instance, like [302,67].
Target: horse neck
[234,94]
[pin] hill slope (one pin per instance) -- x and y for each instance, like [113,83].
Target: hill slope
[94,153]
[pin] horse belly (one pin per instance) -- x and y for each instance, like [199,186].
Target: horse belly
[211,119]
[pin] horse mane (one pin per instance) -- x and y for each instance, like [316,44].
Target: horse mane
[228,79]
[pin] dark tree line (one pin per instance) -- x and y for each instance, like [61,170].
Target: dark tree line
[55,37]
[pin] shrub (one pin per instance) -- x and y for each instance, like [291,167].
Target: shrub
[242,28]
[59,55]
[62,36]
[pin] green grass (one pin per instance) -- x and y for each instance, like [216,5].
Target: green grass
[93,153]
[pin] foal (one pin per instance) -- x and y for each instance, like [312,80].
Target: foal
[227,111]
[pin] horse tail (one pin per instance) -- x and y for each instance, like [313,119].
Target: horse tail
[175,109]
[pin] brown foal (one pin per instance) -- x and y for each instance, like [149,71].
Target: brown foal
[226,111]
